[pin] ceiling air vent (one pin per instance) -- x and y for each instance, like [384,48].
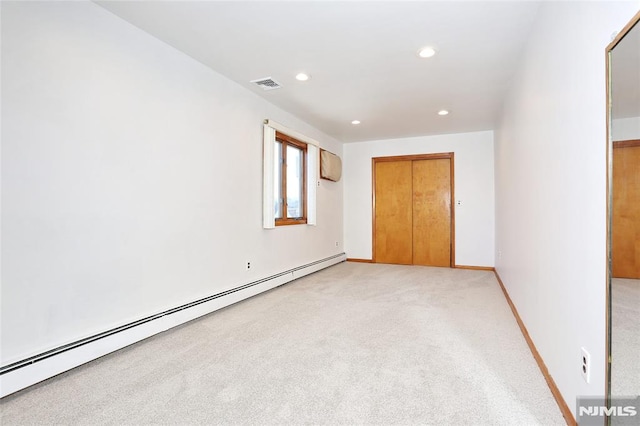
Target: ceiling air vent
[267,83]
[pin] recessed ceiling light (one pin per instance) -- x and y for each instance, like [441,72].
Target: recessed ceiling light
[302,77]
[426,52]
[443,112]
[355,122]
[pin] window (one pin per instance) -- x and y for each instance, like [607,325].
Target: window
[290,177]
[290,180]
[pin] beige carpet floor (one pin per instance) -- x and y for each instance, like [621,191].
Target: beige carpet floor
[625,337]
[352,344]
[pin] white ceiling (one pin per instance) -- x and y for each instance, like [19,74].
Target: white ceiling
[361,56]
[625,76]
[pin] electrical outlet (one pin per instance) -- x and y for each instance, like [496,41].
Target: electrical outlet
[337,244]
[248,265]
[585,365]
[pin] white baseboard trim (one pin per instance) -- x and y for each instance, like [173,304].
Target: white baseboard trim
[22,374]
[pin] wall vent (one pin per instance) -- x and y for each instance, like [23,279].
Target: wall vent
[267,83]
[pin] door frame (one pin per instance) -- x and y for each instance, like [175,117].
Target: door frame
[438,156]
[631,143]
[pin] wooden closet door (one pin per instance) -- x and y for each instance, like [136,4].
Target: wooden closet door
[393,224]
[432,212]
[625,235]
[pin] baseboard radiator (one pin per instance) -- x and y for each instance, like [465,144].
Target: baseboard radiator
[29,371]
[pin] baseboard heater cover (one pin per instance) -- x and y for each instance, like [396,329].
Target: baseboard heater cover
[27,372]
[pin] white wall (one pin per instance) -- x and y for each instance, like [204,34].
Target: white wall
[624,129]
[550,188]
[131,179]
[474,187]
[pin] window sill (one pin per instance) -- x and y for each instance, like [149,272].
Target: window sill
[285,222]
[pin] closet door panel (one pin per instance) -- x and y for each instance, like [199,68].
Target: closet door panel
[431,230]
[393,212]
